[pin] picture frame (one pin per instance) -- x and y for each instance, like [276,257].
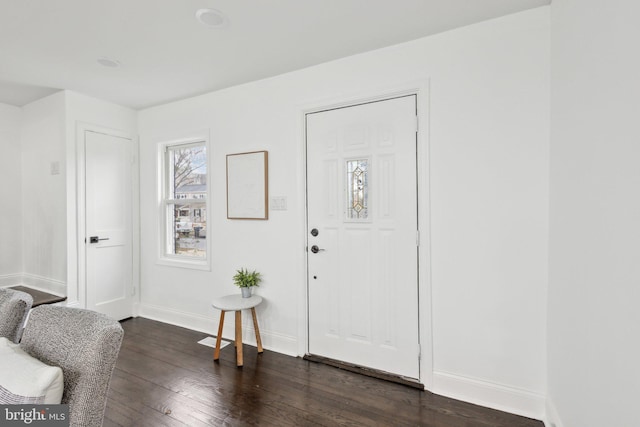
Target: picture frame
[248,185]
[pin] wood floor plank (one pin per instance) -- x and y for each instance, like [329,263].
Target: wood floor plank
[164,378]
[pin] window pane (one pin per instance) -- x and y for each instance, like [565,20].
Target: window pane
[189,231]
[357,189]
[187,172]
[187,216]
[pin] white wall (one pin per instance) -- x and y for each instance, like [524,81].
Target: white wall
[11,196]
[488,132]
[43,210]
[594,287]
[49,201]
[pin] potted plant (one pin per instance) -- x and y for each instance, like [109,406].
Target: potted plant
[245,280]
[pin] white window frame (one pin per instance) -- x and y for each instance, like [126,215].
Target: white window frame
[164,228]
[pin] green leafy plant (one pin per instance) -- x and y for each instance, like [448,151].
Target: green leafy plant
[245,279]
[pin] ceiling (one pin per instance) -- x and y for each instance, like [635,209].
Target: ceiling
[165,54]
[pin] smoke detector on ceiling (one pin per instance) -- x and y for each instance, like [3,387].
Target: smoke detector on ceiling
[212,18]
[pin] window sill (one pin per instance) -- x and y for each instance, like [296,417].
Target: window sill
[192,264]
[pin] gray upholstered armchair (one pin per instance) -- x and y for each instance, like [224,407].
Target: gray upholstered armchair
[85,344]
[14,308]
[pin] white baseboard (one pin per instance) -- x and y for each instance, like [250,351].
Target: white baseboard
[490,395]
[209,325]
[136,308]
[39,283]
[10,280]
[45,284]
[552,419]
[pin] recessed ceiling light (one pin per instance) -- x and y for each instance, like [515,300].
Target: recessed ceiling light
[212,18]
[107,62]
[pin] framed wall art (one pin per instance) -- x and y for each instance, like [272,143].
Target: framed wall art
[248,185]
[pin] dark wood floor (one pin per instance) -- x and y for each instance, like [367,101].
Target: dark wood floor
[164,378]
[39,297]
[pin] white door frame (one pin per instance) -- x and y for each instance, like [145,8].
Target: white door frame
[81,128]
[421,90]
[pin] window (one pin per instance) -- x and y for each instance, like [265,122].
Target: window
[184,202]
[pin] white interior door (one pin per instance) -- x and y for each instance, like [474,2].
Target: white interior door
[362,241]
[108,220]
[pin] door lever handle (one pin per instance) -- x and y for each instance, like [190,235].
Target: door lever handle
[315,249]
[96,239]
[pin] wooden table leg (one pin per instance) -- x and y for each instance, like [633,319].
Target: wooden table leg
[239,360]
[255,327]
[216,352]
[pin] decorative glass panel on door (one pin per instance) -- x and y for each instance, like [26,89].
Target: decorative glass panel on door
[357,189]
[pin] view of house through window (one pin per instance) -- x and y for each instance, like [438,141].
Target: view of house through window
[186,200]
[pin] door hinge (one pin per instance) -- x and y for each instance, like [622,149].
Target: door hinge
[419,352]
[417,124]
[417,237]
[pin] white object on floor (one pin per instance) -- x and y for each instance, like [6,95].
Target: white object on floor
[211,342]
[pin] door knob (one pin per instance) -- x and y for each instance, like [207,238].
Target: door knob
[96,239]
[315,249]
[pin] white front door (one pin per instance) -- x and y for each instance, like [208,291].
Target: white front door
[362,235]
[108,219]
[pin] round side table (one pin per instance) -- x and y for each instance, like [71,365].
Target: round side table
[237,303]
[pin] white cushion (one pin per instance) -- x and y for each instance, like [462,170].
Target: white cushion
[26,380]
